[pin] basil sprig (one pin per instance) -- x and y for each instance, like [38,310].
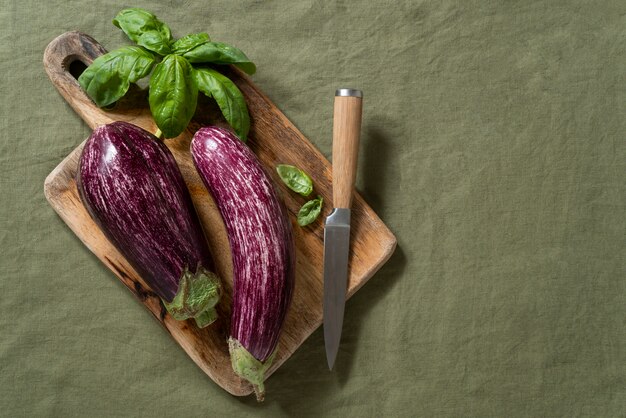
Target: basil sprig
[219,53]
[310,211]
[189,42]
[300,182]
[181,67]
[108,78]
[173,95]
[296,179]
[143,28]
[228,97]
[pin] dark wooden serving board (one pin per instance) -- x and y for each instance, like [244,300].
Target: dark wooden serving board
[275,140]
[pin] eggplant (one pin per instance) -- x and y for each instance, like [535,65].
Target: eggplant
[262,248]
[133,189]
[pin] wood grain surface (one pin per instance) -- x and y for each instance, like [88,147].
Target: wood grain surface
[275,141]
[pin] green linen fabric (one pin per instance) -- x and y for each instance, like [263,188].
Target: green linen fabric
[494,147]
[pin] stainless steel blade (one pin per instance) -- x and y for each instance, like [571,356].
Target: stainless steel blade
[336,251]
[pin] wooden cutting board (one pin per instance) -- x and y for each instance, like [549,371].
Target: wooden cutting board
[275,140]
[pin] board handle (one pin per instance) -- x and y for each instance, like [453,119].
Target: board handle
[64,59]
[346,133]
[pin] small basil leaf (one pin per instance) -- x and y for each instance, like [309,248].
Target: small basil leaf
[143,28]
[228,97]
[310,211]
[173,95]
[107,79]
[220,53]
[189,42]
[296,179]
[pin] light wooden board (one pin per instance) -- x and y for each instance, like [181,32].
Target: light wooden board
[275,141]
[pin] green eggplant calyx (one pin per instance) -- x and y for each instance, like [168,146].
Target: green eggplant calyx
[206,317]
[197,295]
[246,366]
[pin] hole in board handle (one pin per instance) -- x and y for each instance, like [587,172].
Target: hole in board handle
[76,68]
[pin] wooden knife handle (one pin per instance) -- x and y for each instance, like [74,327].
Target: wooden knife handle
[346,133]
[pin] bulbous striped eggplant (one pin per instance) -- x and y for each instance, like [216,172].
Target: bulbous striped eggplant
[262,247]
[132,187]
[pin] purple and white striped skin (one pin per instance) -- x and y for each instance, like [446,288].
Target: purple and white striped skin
[133,189]
[261,241]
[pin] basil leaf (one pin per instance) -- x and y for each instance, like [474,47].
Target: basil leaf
[220,53]
[296,179]
[107,78]
[189,42]
[143,28]
[228,97]
[173,95]
[310,211]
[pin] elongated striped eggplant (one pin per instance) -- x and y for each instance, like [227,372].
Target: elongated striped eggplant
[262,247]
[133,189]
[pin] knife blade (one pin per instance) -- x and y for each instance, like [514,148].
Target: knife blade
[346,132]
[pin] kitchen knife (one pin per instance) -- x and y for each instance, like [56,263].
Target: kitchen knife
[346,131]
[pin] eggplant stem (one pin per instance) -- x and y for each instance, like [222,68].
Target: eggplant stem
[206,317]
[259,392]
[197,295]
[245,365]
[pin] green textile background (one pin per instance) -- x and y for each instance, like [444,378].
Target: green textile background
[493,145]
